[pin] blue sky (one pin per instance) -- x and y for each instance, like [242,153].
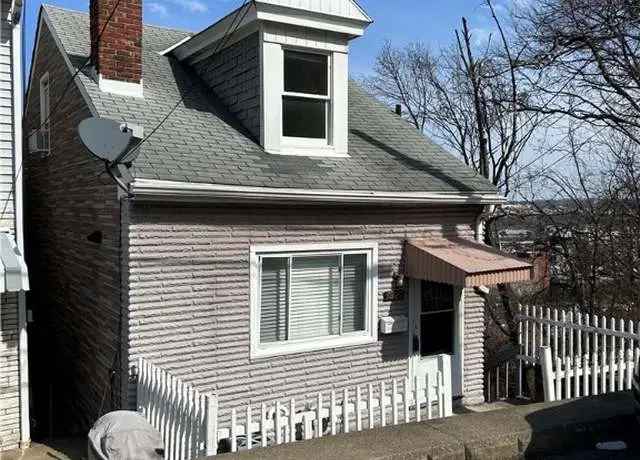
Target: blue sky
[401,21]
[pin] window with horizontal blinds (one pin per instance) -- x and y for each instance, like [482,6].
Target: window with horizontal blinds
[354,292]
[312,296]
[315,297]
[273,300]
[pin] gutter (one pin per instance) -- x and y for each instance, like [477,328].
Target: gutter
[161,190]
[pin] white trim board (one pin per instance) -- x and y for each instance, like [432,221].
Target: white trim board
[44,19]
[161,190]
[121,88]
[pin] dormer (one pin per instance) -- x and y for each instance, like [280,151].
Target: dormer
[284,71]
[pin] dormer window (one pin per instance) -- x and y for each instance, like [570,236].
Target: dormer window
[306,99]
[294,98]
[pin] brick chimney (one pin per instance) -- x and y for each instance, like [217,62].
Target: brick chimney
[117,53]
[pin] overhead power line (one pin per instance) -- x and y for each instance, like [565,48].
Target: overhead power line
[53,110]
[235,24]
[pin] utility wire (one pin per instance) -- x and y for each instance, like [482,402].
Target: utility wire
[54,108]
[227,35]
[223,41]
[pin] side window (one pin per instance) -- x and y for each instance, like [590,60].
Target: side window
[45,101]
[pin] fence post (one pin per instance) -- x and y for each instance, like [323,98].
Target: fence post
[547,374]
[445,368]
[211,425]
[141,380]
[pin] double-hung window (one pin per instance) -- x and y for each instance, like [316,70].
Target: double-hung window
[307,299]
[306,99]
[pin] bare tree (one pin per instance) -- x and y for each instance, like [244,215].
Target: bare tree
[589,215]
[468,97]
[582,60]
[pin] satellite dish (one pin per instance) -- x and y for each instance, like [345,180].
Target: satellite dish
[106,139]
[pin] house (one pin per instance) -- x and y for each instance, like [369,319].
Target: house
[14,373]
[269,226]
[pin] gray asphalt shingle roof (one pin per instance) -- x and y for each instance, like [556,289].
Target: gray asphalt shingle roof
[202,143]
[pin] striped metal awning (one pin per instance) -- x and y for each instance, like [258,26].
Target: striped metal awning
[13,270]
[463,262]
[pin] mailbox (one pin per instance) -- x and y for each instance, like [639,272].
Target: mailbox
[394,324]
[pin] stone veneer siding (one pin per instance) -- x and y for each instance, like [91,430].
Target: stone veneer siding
[76,303]
[188,280]
[234,76]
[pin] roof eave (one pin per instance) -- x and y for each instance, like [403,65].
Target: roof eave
[162,190]
[259,13]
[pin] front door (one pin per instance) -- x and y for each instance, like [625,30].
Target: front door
[436,325]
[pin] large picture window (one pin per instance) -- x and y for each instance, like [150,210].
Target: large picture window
[305,102]
[310,299]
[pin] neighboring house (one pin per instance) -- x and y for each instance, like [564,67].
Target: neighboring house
[274,218]
[14,378]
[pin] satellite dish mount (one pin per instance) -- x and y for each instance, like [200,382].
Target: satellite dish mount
[110,141]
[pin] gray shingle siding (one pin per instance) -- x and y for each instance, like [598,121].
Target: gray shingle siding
[234,76]
[188,277]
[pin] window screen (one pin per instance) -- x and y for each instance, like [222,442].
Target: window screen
[273,300]
[305,297]
[353,297]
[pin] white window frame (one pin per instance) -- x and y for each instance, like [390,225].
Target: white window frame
[369,335]
[306,142]
[44,117]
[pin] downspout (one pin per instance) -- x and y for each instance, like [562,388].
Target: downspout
[479,234]
[479,230]
[23,347]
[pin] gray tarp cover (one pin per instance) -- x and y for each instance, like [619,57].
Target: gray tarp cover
[124,435]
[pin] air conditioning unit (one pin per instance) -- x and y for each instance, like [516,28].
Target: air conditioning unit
[39,141]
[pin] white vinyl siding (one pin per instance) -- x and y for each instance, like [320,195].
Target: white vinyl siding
[313,299]
[7,126]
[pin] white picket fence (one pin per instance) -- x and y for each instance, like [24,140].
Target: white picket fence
[587,375]
[191,423]
[569,334]
[185,417]
[330,413]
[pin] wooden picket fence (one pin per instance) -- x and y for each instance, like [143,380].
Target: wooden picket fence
[185,417]
[569,334]
[192,426]
[330,413]
[587,375]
